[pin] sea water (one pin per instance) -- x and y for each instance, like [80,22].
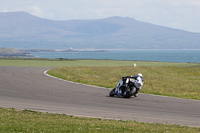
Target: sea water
[140,55]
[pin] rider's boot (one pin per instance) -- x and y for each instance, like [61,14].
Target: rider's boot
[136,93]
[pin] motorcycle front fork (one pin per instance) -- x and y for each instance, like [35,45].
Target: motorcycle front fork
[117,90]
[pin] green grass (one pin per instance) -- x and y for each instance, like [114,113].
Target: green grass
[38,62]
[176,81]
[27,121]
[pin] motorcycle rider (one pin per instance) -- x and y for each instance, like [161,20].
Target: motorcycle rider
[138,81]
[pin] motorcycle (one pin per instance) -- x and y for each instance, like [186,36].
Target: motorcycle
[126,87]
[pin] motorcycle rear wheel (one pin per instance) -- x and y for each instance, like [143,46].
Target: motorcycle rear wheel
[130,92]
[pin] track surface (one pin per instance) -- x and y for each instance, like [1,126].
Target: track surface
[29,88]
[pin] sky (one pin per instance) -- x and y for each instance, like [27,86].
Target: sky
[178,14]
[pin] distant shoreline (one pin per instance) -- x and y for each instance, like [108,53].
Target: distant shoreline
[60,50]
[148,49]
[150,55]
[16,55]
[104,50]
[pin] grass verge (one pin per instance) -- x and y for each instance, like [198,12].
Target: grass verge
[161,78]
[38,62]
[27,121]
[176,81]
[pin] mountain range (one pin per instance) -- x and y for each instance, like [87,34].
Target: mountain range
[23,30]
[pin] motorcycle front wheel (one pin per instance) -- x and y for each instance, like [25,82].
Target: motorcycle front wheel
[112,93]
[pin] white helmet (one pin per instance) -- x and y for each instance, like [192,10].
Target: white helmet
[140,75]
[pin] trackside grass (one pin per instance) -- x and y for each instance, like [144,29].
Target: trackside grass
[27,121]
[40,62]
[176,81]
[161,78]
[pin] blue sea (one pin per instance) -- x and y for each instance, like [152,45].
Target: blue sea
[181,56]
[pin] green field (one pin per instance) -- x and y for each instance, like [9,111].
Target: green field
[28,121]
[168,79]
[89,63]
[173,79]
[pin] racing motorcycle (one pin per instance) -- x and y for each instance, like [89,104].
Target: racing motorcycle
[126,86]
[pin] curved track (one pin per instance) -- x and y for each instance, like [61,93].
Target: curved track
[29,88]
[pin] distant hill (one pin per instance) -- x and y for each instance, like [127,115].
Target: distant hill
[9,51]
[22,30]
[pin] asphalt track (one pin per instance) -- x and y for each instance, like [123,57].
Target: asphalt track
[30,88]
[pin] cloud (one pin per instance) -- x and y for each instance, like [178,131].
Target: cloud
[5,10]
[37,11]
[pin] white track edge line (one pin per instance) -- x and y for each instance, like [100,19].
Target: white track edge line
[45,73]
